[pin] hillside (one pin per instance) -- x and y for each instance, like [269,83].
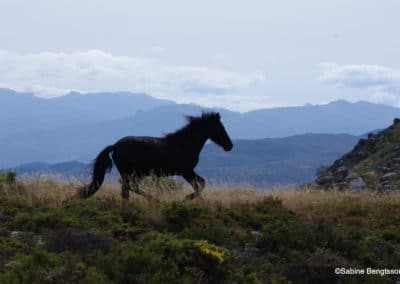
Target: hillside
[265,162]
[373,163]
[231,236]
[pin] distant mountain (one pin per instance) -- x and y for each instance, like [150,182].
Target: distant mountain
[274,161]
[336,117]
[71,169]
[265,162]
[77,127]
[25,113]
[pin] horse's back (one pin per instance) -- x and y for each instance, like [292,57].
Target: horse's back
[131,145]
[139,153]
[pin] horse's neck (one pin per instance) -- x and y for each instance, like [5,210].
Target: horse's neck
[194,142]
[200,144]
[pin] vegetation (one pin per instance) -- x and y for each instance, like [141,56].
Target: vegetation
[7,178]
[229,236]
[374,160]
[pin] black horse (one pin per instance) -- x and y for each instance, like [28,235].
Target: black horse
[176,153]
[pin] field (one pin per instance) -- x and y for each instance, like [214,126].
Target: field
[231,235]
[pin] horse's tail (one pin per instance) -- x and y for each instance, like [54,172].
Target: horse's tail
[102,164]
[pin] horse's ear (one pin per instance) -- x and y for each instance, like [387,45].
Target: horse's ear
[189,118]
[218,115]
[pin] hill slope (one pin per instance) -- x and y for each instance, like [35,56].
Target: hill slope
[373,163]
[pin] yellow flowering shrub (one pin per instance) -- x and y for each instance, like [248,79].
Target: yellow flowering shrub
[212,251]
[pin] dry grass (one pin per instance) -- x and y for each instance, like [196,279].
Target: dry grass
[306,203]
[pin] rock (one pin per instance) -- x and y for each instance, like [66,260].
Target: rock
[351,176]
[341,173]
[340,170]
[385,186]
[396,120]
[322,180]
[40,241]
[385,169]
[357,183]
[256,233]
[395,160]
[14,234]
[11,264]
[387,177]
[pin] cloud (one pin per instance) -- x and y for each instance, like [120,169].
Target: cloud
[359,76]
[235,102]
[380,82]
[51,74]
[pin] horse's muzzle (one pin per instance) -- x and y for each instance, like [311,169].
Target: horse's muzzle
[228,148]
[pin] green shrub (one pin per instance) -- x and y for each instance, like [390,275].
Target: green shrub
[217,234]
[33,268]
[124,231]
[7,178]
[179,214]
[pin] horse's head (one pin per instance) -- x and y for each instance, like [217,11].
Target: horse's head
[218,133]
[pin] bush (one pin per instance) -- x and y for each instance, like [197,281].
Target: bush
[217,234]
[179,214]
[7,178]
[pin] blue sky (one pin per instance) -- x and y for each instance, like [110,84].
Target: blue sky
[236,54]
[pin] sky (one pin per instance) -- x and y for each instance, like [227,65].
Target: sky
[240,55]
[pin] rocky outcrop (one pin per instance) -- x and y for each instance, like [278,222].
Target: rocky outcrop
[357,183]
[340,178]
[374,163]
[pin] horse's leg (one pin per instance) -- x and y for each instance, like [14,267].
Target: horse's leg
[201,181]
[136,189]
[125,187]
[197,182]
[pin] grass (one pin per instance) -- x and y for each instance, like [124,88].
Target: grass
[230,235]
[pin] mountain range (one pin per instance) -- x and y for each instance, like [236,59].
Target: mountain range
[26,113]
[75,127]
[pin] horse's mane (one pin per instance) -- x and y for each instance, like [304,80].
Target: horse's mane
[193,123]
